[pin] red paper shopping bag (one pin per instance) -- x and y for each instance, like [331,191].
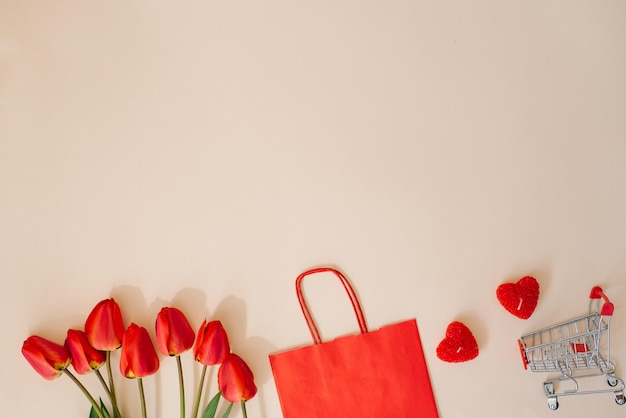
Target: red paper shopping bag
[377,374]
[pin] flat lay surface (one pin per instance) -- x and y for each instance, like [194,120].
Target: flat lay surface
[203,154]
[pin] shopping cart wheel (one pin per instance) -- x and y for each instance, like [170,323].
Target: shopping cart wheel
[553,403]
[611,380]
[619,398]
[548,388]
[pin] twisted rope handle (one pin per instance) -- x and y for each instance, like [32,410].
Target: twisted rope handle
[356,306]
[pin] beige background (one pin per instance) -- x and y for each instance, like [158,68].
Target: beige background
[202,154]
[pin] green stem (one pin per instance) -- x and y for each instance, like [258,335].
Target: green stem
[142,397]
[110,375]
[116,410]
[243,409]
[181,386]
[93,402]
[199,395]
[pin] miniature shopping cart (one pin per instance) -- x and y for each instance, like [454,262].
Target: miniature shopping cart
[579,350]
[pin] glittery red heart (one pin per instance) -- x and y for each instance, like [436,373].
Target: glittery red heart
[459,345]
[519,298]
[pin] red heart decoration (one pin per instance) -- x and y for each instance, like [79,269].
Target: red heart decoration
[519,298]
[459,345]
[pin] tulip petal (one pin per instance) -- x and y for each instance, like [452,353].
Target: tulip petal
[138,357]
[212,345]
[173,333]
[48,359]
[104,326]
[235,379]
[39,363]
[85,358]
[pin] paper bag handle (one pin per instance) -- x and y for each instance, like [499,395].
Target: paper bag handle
[356,306]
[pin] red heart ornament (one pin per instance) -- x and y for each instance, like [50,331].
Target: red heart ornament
[459,345]
[519,298]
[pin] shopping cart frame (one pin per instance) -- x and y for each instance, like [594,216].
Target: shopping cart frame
[578,349]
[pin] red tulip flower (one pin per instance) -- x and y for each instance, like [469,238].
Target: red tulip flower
[174,335]
[138,358]
[85,358]
[104,326]
[235,379]
[212,345]
[49,359]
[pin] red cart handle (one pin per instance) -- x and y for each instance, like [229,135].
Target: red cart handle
[356,306]
[523,353]
[607,308]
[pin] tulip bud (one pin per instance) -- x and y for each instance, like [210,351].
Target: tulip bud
[235,379]
[85,358]
[212,345]
[174,335]
[138,357]
[48,359]
[104,326]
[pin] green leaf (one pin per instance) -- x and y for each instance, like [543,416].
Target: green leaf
[211,408]
[104,409]
[93,413]
[227,413]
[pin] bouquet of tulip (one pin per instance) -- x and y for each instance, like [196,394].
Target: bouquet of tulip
[104,332]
